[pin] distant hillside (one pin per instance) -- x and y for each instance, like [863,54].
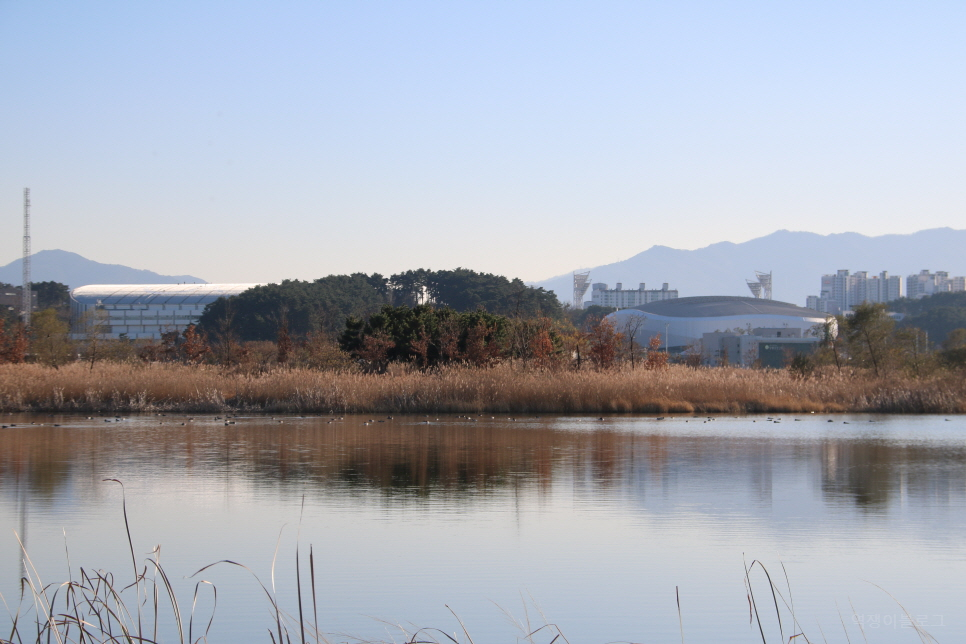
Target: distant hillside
[797,260]
[74,270]
[936,314]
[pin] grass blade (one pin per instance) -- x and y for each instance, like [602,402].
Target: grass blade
[130,543]
[677,595]
[315,609]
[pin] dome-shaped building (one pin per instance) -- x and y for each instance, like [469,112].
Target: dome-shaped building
[684,321]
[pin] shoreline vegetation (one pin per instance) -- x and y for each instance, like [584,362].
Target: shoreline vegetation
[111,387]
[259,352]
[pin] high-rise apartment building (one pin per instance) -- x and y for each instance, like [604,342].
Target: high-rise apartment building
[926,283]
[622,298]
[843,290]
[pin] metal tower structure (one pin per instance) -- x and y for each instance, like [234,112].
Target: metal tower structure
[27,301]
[755,288]
[581,284]
[761,288]
[765,280]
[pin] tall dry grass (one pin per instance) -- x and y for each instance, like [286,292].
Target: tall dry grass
[507,388]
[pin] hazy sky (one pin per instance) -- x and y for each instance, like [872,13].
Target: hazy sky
[242,141]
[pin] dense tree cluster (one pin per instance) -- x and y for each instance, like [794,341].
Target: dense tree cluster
[14,342]
[52,295]
[48,339]
[426,336]
[580,317]
[324,305]
[303,307]
[465,290]
[870,340]
[937,315]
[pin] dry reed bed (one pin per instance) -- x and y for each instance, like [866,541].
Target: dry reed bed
[117,388]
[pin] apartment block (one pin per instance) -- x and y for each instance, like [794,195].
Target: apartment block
[843,290]
[622,298]
[926,283]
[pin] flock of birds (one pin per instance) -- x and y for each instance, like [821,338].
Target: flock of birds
[232,420]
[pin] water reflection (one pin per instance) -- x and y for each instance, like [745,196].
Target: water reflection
[600,519]
[873,473]
[407,458]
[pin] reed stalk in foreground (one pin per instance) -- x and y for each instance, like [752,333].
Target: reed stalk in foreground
[98,608]
[506,388]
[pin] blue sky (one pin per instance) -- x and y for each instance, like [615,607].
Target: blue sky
[243,141]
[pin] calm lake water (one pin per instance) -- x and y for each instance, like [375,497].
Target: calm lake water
[589,524]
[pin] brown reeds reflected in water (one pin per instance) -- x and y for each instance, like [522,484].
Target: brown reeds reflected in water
[466,459]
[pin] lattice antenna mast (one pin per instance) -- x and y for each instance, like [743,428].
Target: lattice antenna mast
[765,279]
[581,284]
[27,302]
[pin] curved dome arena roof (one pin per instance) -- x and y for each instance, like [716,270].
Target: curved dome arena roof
[155,293]
[713,306]
[684,320]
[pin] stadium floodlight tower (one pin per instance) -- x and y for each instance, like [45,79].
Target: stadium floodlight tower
[765,280]
[26,302]
[581,284]
[755,288]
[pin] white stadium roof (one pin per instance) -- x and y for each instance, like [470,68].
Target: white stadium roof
[723,306]
[155,293]
[684,320]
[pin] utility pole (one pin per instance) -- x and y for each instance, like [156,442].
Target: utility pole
[27,303]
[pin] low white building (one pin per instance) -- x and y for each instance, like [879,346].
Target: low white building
[621,298]
[142,311]
[764,347]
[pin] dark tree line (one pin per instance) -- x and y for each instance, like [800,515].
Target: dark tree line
[465,290]
[870,340]
[937,315]
[50,295]
[304,308]
[426,336]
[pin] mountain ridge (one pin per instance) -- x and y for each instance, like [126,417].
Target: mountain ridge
[76,270]
[797,259]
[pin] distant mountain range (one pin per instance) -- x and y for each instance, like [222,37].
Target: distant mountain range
[72,269]
[797,260]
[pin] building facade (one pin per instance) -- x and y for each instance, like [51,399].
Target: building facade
[621,298]
[843,290]
[142,311]
[12,299]
[926,283]
[762,347]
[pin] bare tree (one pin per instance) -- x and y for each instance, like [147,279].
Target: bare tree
[95,327]
[629,328]
[228,343]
